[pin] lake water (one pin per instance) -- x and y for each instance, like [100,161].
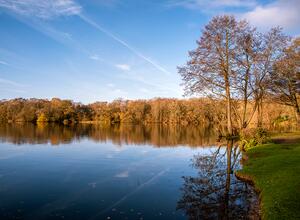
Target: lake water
[119,172]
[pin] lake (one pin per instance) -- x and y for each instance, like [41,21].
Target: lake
[120,172]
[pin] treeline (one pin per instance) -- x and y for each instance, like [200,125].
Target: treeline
[196,111]
[42,110]
[192,111]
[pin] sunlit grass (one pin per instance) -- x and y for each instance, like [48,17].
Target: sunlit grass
[275,170]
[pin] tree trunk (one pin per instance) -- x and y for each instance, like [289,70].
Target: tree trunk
[297,110]
[244,123]
[229,119]
[227,87]
[260,112]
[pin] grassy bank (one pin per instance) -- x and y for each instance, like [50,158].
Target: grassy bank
[275,171]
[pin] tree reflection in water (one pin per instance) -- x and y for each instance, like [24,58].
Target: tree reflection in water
[215,193]
[158,135]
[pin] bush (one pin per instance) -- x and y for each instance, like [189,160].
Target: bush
[253,137]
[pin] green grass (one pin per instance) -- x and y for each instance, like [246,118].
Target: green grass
[275,171]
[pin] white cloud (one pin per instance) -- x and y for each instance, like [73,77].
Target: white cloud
[212,4]
[67,35]
[284,13]
[45,9]
[110,85]
[124,67]
[95,57]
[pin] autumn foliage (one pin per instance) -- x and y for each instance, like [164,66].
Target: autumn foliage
[196,111]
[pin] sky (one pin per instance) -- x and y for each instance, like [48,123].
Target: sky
[101,50]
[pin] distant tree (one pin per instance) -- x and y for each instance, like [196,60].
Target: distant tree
[42,118]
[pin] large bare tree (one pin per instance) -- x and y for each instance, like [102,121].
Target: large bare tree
[234,62]
[213,67]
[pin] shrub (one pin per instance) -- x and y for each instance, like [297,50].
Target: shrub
[253,137]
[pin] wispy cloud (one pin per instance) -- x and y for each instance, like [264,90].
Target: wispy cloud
[107,3]
[110,85]
[284,13]
[11,83]
[211,4]
[13,90]
[124,67]
[12,86]
[95,57]
[122,42]
[3,63]
[166,87]
[45,9]
[59,36]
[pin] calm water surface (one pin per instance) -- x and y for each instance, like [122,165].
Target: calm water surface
[119,172]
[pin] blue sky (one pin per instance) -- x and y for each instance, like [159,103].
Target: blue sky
[96,50]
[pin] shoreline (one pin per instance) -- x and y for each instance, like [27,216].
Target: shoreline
[248,179]
[272,170]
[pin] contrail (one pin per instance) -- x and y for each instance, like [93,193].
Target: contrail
[108,33]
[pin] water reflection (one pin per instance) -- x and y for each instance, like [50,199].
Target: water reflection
[215,193]
[157,135]
[91,177]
